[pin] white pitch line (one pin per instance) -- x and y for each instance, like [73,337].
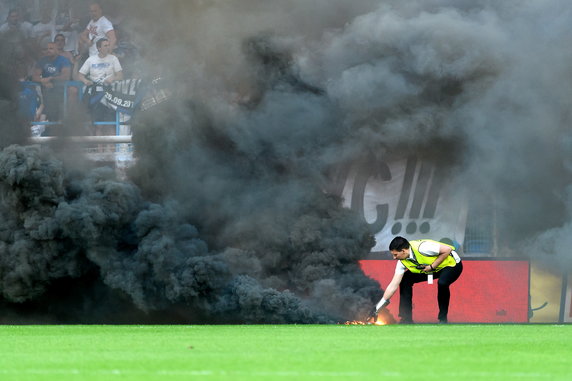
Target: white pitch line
[206,372]
[124,372]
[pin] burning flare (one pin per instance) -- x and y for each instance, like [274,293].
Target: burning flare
[384,317]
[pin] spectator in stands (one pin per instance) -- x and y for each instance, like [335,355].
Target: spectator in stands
[99,27]
[60,41]
[52,71]
[31,107]
[102,69]
[45,28]
[17,48]
[68,24]
[77,64]
[14,23]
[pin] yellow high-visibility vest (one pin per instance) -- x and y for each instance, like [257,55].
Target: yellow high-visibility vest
[424,260]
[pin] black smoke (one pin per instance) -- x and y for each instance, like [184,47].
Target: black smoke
[221,220]
[92,230]
[480,88]
[225,216]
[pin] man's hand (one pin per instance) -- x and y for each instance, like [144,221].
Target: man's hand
[428,269]
[47,82]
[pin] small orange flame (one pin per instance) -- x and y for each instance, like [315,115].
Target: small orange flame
[355,322]
[384,317]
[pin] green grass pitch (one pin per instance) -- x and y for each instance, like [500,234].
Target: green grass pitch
[287,352]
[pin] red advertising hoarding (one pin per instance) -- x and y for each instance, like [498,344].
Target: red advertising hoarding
[488,291]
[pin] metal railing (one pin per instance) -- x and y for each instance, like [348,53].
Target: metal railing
[118,147]
[480,231]
[66,96]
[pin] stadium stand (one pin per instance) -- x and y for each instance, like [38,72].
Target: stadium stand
[28,27]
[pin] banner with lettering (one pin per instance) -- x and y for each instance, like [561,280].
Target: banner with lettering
[124,96]
[128,95]
[409,197]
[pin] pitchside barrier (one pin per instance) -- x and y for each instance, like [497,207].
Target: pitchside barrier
[119,121]
[491,290]
[118,147]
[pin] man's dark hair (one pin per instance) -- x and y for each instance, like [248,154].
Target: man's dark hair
[399,243]
[100,41]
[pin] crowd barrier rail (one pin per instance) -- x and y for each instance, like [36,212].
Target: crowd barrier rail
[80,91]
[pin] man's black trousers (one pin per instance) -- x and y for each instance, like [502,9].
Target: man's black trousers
[445,277]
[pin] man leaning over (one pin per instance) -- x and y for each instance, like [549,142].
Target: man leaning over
[418,260]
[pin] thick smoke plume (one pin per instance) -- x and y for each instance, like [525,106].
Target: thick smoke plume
[479,87]
[226,216]
[63,226]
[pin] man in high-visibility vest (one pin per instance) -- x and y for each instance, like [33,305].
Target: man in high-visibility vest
[418,261]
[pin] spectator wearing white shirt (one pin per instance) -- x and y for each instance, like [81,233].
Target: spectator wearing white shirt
[14,23]
[17,40]
[45,28]
[102,69]
[98,27]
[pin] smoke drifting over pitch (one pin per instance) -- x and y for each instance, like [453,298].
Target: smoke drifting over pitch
[225,215]
[482,87]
